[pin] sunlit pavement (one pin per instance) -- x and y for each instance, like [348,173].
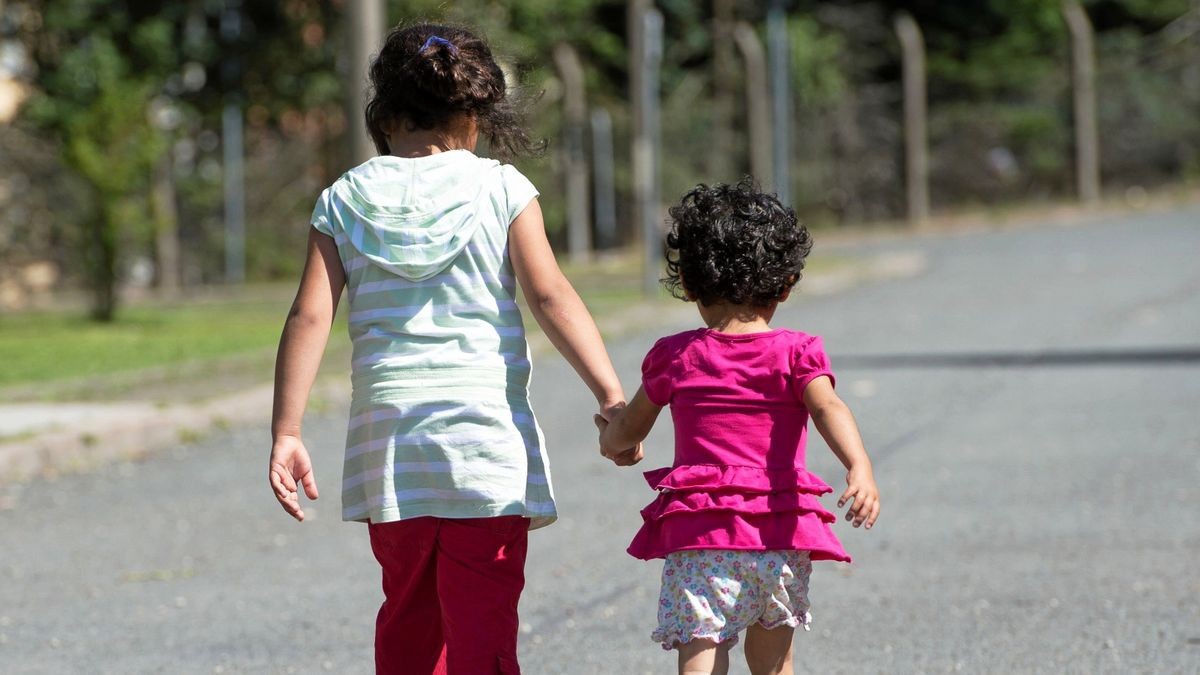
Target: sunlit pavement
[1037,518]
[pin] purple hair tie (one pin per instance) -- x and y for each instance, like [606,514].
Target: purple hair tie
[439,40]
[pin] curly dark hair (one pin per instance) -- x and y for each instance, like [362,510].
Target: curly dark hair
[735,244]
[427,73]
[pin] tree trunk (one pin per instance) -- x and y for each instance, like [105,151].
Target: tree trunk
[102,268]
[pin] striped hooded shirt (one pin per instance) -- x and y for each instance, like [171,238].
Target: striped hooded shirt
[440,421]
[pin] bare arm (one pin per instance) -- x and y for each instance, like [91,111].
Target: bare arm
[558,310]
[305,334]
[834,421]
[628,426]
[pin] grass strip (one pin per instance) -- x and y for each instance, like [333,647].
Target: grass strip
[216,342]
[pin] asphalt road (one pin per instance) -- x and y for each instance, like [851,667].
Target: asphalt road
[1030,402]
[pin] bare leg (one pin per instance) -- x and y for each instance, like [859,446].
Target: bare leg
[703,657]
[769,652]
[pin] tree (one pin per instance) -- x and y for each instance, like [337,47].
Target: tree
[96,104]
[119,82]
[113,148]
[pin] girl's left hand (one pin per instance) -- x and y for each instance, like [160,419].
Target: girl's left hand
[860,486]
[623,458]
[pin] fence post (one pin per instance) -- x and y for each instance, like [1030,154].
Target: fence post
[646,56]
[758,101]
[1083,85]
[232,150]
[234,189]
[721,165]
[916,139]
[570,71]
[778,54]
[366,28]
[604,199]
[166,227]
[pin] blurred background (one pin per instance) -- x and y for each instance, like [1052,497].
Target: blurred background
[181,144]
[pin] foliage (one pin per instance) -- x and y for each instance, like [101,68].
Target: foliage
[125,86]
[817,74]
[522,36]
[122,84]
[97,106]
[1000,122]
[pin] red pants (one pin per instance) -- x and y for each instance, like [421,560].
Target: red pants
[450,590]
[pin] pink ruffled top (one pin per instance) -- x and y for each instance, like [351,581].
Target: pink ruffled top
[738,480]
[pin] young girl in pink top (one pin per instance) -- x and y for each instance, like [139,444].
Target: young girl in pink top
[737,515]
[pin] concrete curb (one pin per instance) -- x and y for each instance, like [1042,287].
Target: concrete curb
[132,430]
[101,433]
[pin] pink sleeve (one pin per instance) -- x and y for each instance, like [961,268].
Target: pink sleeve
[656,380]
[810,362]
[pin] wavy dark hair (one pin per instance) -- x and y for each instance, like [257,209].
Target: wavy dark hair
[735,244]
[425,82]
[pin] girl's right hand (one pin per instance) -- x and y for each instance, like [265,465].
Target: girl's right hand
[290,463]
[629,457]
[860,487]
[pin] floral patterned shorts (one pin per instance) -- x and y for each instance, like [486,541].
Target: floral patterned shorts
[716,594]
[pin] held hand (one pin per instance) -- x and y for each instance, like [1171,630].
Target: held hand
[627,457]
[601,423]
[290,463]
[610,409]
[860,486]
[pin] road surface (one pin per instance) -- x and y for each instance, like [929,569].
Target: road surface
[1031,402]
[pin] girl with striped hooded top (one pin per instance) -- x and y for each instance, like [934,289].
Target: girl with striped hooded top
[444,458]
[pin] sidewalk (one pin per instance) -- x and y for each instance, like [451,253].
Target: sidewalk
[43,439]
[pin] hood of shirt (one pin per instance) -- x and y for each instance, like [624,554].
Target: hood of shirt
[412,216]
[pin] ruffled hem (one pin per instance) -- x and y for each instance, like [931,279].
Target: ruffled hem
[736,508]
[792,620]
[669,639]
[745,479]
[729,530]
[727,635]
[671,503]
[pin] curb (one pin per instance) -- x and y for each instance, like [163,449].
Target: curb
[136,430]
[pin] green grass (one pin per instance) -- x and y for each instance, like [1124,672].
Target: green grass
[152,351]
[48,346]
[185,340]
[211,344]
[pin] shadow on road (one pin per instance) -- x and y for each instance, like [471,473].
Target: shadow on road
[1031,359]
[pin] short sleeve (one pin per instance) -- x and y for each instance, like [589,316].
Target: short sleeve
[810,362]
[518,191]
[656,376]
[320,219]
